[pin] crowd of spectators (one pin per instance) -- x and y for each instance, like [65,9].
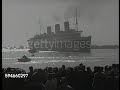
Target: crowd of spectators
[64,78]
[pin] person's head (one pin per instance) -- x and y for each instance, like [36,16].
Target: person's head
[110,68]
[76,68]
[113,66]
[106,68]
[95,68]
[80,64]
[63,80]
[8,69]
[50,69]
[55,69]
[50,76]
[83,68]
[69,69]
[117,67]
[88,69]
[63,66]
[101,69]
[31,68]
[39,70]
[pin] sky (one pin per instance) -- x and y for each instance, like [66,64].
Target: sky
[21,19]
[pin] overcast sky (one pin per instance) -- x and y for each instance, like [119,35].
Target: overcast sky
[20,19]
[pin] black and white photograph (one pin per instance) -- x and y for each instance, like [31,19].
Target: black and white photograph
[60,44]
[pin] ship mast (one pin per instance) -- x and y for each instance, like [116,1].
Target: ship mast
[77,24]
[76,21]
[40,25]
[40,29]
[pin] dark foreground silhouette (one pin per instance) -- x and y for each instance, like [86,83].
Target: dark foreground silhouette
[70,78]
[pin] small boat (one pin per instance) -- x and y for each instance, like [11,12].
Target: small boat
[24,59]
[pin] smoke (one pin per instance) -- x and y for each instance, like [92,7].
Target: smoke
[57,17]
[85,10]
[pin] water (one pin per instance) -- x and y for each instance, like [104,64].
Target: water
[43,59]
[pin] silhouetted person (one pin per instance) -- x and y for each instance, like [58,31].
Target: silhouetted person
[63,67]
[110,84]
[99,80]
[51,83]
[95,70]
[80,79]
[117,82]
[64,85]
[107,71]
[31,71]
[89,71]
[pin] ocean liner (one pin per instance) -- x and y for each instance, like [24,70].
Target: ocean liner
[69,40]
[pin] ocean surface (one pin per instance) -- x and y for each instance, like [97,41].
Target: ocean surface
[43,59]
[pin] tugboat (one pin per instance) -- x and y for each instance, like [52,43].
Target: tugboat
[24,59]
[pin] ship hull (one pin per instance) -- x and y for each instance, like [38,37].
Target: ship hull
[61,44]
